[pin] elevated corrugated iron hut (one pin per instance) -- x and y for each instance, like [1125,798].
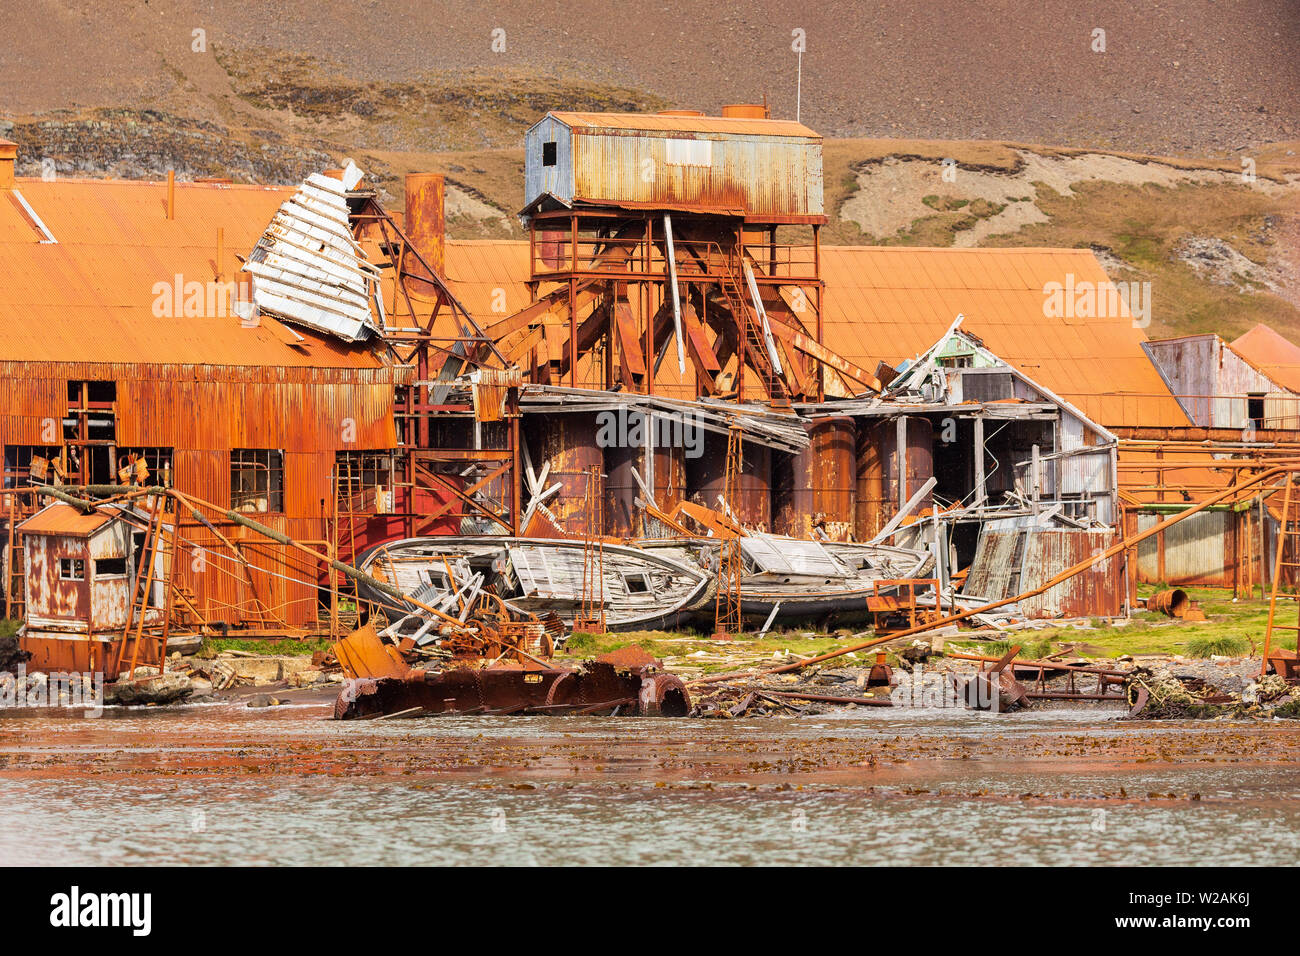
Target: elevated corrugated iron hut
[657,263]
[768,171]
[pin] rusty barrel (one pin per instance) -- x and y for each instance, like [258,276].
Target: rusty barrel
[817,483]
[1173,602]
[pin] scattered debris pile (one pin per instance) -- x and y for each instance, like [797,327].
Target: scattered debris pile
[1157,693]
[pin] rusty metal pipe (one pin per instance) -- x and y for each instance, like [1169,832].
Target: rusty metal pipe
[1172,603]
[1046,664]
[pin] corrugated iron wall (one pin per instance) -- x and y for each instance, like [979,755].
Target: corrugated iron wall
[1014,560]
[202,412]
[775,176]
[1197,550]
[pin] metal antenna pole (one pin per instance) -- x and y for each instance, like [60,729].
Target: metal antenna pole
[798,89]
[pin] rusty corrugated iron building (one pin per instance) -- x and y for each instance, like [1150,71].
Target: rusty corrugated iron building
[660,261]
[120,342]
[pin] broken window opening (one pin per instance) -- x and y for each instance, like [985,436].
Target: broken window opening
[110,568]
[257,480]
[90,431]
[549,154]
[29,465]
[1255,408]
[145,466]
[72,569]
[365,480]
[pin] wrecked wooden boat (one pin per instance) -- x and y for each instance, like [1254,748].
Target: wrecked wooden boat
[641,589]
[799,579]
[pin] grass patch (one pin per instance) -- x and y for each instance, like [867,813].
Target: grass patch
[1224,645]
[294,648]
[9,627]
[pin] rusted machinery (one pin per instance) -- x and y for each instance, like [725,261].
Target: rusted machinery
[628,682]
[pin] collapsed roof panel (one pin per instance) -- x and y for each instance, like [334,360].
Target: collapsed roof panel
[307,267]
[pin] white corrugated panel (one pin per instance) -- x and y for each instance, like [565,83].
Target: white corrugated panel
[308,269]
[791,556]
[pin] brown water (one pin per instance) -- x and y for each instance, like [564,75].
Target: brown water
[223,784]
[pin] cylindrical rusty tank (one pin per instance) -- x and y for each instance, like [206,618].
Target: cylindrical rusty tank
[706,478]
[426,224]
[567,442]
[869,511]
[878,470]
[745,111]
[816,485]
[623,519]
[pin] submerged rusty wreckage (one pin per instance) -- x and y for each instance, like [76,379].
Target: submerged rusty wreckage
[669,408]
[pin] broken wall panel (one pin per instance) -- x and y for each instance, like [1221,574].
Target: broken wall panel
[1011,561]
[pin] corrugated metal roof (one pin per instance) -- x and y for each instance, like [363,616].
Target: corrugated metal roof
[892,303]
[489,276]
[60,518]
[90,296]
[653,122]
[1271,354]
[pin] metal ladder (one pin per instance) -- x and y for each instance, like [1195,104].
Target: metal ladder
[1288,546]
[755,346]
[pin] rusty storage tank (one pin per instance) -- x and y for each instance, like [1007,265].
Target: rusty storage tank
[877,479]
[745,111]
[820,480]
[567,442]
[623,519]
[706,478]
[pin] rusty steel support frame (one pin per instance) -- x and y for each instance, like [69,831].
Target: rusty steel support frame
[429,351]
[619,256]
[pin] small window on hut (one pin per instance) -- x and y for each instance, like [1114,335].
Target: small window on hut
[257,480]
[72,569]
[548,154]
[110,568]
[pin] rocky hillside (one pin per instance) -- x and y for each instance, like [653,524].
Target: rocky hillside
[267,93]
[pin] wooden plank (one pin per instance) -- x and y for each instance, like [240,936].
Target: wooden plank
[516,352]
[630,354]
[811,347]
[698,342]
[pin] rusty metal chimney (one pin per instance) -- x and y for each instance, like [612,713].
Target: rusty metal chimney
[426,222]
[8,159]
